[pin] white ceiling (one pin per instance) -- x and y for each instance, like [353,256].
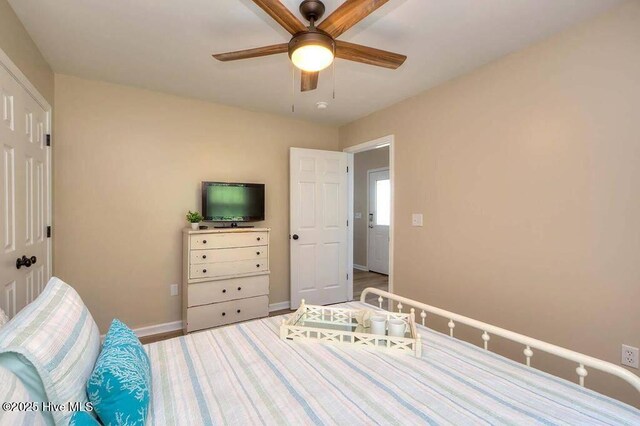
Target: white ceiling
[166,45]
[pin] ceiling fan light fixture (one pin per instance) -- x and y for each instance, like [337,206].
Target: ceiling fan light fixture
[312,51]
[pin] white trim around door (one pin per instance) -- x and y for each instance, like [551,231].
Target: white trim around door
[367,146]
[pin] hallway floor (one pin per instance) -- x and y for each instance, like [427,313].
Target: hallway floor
[364,279]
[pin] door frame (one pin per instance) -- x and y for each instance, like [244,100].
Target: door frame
[21,78]
[389,141]
[380,169]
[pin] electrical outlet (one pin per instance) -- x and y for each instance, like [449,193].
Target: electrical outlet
[174,289]
[629,356]
[416,219]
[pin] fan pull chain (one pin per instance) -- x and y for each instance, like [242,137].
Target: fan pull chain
[333,71]
[293,89]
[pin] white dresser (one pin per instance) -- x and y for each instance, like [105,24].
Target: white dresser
[225,276]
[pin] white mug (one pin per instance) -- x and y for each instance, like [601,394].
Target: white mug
[378,325]
[397,328]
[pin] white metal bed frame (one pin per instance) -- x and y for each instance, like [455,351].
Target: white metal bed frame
[582,360]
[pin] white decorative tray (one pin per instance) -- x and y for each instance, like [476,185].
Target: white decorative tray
[340,326]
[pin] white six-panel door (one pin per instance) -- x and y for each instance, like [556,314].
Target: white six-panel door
[319,214]
[24,195]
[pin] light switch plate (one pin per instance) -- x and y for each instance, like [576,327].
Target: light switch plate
[174,289]
[416,219]
[358,215]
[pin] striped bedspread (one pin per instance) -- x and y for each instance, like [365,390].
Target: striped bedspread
[244,374]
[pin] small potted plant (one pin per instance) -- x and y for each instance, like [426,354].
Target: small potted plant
[194,218]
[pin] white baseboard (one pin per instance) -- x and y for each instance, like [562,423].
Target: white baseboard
[158,329]
[360,267]
[177,325]
[279,306]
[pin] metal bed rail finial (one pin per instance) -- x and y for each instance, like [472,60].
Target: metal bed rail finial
[582,360]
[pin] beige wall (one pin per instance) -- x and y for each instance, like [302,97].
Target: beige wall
[528,174]
[128,165]
[17,44]
[363,162]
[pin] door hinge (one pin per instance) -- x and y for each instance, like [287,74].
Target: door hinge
[48,232]
[48,140]
[347,223]
[347,277]
[347,169]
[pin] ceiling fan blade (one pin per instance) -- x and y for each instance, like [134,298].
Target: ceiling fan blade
[309,81]
[253,53]
[348,14]
[368,55]
[281,15]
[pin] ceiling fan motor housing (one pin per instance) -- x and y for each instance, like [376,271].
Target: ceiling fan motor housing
[312,9]
[311,38]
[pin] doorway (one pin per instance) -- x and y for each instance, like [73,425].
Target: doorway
[371,204]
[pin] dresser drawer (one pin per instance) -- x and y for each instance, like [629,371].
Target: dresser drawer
[228,254]
[218,314]
[225,269]
[229,240]
[224,290]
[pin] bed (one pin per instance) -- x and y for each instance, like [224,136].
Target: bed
[245,374]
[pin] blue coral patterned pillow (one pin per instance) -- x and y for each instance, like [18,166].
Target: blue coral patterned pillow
[120,384]
[82,418]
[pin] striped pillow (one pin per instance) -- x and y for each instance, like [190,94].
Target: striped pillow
[3,318]
[57,337]
[22,410]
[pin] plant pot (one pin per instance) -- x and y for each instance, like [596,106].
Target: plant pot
[194,226]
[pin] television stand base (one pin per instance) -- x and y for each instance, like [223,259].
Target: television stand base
[233,225]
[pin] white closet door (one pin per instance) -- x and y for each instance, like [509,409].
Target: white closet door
[24,196]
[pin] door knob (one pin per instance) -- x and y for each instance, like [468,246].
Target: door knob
[295,236]
[25,261]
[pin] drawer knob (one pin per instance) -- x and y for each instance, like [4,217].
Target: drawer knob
[204,271]
[238,311]
[258,265]
[224,290]
[204,256]
[204,241]
[239,288]
[258,238]
[258,253]
[224,313]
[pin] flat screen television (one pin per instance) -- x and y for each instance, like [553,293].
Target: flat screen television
[232,202]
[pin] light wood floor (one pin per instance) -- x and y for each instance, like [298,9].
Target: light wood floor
[364,279]
[361,280]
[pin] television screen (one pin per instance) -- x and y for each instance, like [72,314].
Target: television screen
[232,202]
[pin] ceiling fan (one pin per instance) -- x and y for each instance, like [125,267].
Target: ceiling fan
[312,48]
